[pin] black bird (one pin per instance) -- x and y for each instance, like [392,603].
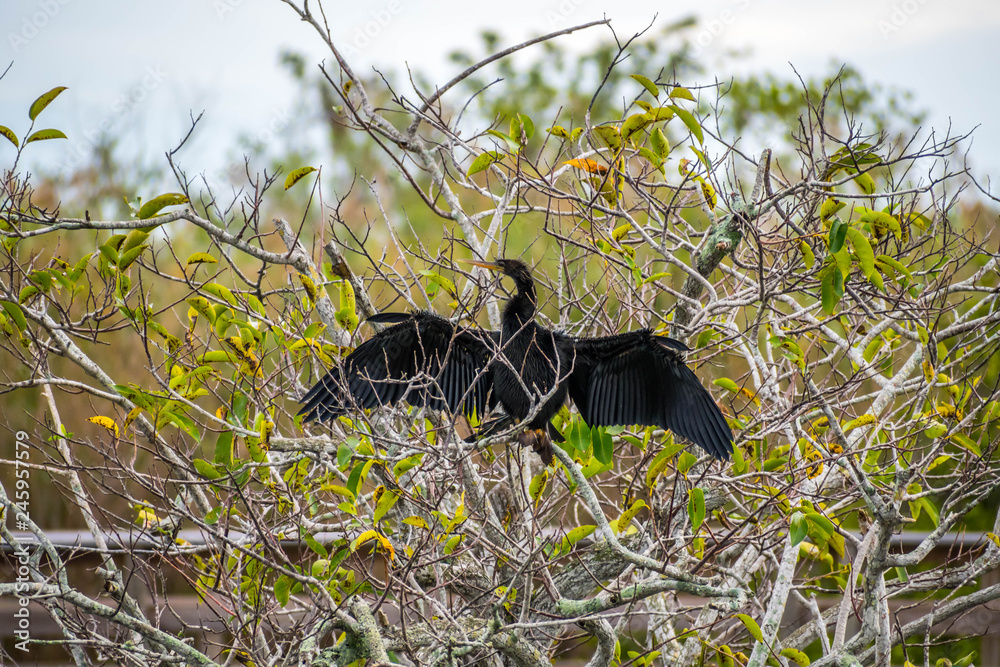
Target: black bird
[632,378]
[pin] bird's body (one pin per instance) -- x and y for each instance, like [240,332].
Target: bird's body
[632,378]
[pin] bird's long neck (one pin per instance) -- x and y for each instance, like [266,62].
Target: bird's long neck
[521,308]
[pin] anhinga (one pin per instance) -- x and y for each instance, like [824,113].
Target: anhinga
[632,378]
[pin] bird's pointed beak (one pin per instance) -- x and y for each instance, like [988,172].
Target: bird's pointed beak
[492,266]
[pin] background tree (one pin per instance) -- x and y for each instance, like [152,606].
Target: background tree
[855,321]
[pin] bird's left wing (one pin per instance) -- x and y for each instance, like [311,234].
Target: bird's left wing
[423,360]
[639,378]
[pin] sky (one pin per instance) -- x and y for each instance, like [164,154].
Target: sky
[140,69]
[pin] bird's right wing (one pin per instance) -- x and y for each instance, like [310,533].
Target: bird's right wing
[422,359]
[639,378]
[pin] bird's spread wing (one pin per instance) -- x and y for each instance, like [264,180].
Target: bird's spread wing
[639,378]
[423,359]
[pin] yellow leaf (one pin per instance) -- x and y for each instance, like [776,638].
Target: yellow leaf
[362,538]
[295,176]
[201,258]
[266,428]
[708,192]
[749,394]
[626,518]
[588,165]
[310,287]
[863,420]
[106,422]
[537,485]
[620,232]
[415,521]
[130,417]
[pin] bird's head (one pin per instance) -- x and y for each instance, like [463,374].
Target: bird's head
[513,268]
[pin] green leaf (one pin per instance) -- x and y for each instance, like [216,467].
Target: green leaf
[385,503]
[527,126]
[660,462]
[796,656]
[822,524]
[935,430]
[881,221]
[206,469]
[483,162]
[513,145]
[727,384]
[830,208]
[15,313]
[116,241]
[130,256]
[751,626]
[799,528]
[344,453]
[406,465]
[224,449]
[634,123]
[297,175]
[705,161]
[11,137]
[578,435]
[863,249]
[739,464]
[575,535]
[314,544]
[27,293]
[43,101]
[662,113]
[866,183]
[440,281]
[696,508]
[357,476]
[282,590]
[41,278]
[659,142]
[611,136]
[965,442]
[883,261]
[647,84]
[652,158]
[153,206]
[691,122]
[134,239]
[725,656]
[807,254]
[452,543]
[838,234]
[603,446]
[109,253]
[220,292]
[965,661]
[832,287]
[42,135]
[681,93]
[685,461]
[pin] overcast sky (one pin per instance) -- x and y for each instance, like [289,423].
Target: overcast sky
[139,68]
